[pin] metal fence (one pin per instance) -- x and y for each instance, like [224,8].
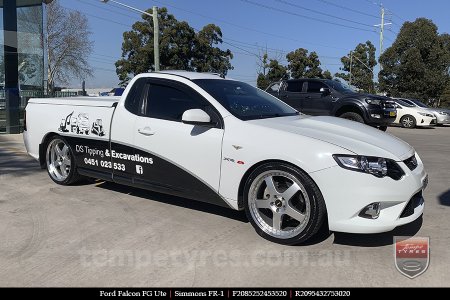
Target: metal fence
[24,97]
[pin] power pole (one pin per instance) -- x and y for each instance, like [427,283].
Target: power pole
[381,32]
[156,37]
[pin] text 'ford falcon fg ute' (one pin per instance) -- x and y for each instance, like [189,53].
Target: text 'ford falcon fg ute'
[221,141]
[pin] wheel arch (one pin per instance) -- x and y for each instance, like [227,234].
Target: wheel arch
[254,167]
[43,147]
[350,107]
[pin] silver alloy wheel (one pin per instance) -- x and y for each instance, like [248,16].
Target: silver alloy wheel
[58,160]
[279,204]
[407,122]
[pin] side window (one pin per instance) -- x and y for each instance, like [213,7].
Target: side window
[168,103]
[294,86]
[315,86]
[134,96]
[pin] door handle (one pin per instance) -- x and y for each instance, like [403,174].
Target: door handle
[147,131]
[307,97]
[284,96]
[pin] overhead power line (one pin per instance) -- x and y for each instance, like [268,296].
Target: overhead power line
[246,27]
[304,16]
[322,13]
[349,9]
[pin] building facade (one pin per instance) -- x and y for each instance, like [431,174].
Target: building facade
[22,58]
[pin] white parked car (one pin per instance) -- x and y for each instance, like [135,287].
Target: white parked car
[442,115]
[411,116]
[206,138]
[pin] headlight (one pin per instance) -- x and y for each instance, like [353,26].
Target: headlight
[426,115]
[443,113]
[373,101]
[377,166]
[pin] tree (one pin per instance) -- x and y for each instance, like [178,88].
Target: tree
[208,58]
[68,45]
[270,71]
[362,60]
[445,97]
[301,64]
[327,74]
[180,48]
[417,63]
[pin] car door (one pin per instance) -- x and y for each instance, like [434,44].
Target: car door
[292,93]
[185,159]
[316,102]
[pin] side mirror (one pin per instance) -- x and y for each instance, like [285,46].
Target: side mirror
[325,91]
[196,117]
[398,106]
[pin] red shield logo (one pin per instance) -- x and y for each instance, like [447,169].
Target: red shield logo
[412,255]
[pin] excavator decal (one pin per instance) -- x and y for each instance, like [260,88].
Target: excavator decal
[79,124]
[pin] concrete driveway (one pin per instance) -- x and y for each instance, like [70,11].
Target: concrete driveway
[104,234]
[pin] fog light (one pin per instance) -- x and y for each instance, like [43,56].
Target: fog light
[371,211]
[375,116]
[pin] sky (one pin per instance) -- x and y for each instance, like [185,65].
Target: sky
[330,27]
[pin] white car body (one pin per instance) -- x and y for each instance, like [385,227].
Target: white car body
[220,158]
[422,117]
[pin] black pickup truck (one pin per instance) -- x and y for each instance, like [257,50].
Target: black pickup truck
[325,97]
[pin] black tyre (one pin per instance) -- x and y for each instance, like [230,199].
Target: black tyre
[283,203]
[408,121]
[352,116]
[60,161]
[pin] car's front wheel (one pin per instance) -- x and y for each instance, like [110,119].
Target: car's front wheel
[60,162]
[408,121]
[283,203]
[352,116]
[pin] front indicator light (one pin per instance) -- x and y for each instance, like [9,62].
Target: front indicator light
[377,166]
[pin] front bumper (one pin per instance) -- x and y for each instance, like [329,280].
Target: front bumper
[442,119]
[380,116]
[426,121]
[347,193]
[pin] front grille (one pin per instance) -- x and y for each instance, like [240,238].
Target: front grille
[415,201]
[411,162]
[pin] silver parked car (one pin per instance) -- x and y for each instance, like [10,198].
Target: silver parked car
[442,115]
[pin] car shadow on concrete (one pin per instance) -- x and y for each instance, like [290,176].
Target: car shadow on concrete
[444,198]
[177,201]
[14,162]
[378,239]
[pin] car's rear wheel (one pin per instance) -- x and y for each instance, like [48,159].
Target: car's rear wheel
[408,121]
[352,116]
[61,166]
[283,203]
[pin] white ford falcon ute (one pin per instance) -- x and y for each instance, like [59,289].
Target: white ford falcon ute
[221,141]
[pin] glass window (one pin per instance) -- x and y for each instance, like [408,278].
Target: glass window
[419,103]
[245,101]
[294,86]
[315,86]
[169,103]
[340,87]
[403,103]
[134,96]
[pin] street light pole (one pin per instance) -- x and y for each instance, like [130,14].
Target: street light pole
[155,27]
